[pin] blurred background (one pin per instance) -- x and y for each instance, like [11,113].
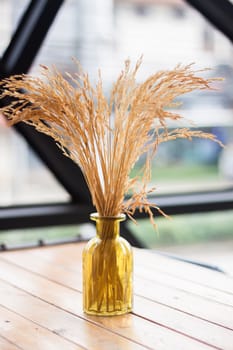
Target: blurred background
[102,34]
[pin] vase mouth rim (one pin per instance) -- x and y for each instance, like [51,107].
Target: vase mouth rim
[96,216]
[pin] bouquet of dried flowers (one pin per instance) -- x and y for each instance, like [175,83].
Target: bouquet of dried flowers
[106,138]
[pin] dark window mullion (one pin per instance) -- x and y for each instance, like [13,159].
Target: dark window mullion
[60,214]
[218,12]
[29,35]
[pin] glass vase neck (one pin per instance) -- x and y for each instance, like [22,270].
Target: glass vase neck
[107,227]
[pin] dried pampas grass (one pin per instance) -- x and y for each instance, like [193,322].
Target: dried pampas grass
[106,138]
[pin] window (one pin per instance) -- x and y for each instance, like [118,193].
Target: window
[102,35]
[23,177]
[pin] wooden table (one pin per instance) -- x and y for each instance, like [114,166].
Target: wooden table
[178,306]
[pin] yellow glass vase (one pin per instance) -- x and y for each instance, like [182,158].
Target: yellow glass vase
[107,270]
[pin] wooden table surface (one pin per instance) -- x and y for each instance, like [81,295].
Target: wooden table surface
[177,306]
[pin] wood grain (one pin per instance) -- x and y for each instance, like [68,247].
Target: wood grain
[130,326]
[60,322]
[201,305]
[6,345]
[64,273]
[173,308]
[184,271]
[29,335]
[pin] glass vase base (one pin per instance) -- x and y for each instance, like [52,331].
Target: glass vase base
[108,313]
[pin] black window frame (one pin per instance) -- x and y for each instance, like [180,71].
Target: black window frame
[17,59]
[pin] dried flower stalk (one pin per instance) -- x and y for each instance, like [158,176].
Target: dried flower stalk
[106,138]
